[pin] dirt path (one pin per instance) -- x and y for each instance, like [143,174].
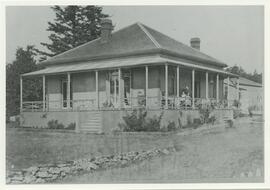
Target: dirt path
[231,155]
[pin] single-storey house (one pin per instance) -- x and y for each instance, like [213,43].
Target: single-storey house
[136,66]
[250,94]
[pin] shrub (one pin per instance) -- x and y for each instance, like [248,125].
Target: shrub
[236,103]
[53,124]
[250,110]
[205,111]
[71,126]
[171,126]
[137,121]
[236,113]
[152,124]
[196,122]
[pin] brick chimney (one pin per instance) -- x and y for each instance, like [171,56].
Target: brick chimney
[195,43]
[106,30]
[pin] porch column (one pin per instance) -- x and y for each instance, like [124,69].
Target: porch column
[228,87]
[21,91]
[119,89]
[177,82]
[97,96]
[146,85]
[217,88]
[166,86]
[193,88]
[237,86]
[206,85]
[68,90]
[44,92]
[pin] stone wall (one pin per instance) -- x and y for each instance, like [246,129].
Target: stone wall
[51,172]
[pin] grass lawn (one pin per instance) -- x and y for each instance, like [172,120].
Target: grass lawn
[25,148]
[232,155]
[204,157]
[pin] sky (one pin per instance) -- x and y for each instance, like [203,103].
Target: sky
[232,34]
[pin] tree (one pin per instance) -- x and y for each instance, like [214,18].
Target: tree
[256,77]
[73,26]
[24,63]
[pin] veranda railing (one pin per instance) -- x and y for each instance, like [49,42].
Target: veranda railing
[154,102]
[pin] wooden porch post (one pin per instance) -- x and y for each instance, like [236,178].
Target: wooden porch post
[193,88]
[228,87]
[177,82]
[119,89]
[206,85]
[217,88]
[97,95]
[68,90]
[44,92]
[146,85]
[21,95]
[237,86]
[166,86]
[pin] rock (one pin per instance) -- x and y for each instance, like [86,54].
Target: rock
[40,180]
[63,174]
[92,166]
[54,177]
[16,182]
[29,179]
[124,163]
[44,174]
[65,169]
[54,170]
[44,169]
[32,169]
[165,151]
[62,165]
[17,178]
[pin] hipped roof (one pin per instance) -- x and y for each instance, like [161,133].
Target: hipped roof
[134,39]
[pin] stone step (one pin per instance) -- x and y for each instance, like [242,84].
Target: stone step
[91,130]
[90,127]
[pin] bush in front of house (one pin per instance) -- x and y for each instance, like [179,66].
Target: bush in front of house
[53,124]
[137,121]
[206,115]
[71,126]
[250,110]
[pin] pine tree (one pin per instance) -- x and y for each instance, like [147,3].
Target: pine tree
[73,26]
[24,63]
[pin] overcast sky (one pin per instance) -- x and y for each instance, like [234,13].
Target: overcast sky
[233,35]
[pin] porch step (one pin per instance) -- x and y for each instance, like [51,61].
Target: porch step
[91,123]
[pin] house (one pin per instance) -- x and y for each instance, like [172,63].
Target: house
[136,66]
[250,94]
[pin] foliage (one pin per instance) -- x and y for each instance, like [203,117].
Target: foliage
[152,124]
[236,113]
[230,122]
[32,88]
[256,77]
[73,26]
[171,126]
[71,126]
[236,103]
[250,110]
[205,112]
[53,124]
[137,121]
